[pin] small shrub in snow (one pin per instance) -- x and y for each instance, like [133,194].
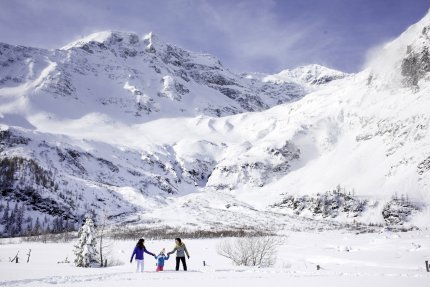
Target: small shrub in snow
[250,251]
[86,247]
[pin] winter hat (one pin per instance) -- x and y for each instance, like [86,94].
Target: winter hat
[163,251]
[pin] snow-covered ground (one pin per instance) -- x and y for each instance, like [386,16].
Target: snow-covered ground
[391,259]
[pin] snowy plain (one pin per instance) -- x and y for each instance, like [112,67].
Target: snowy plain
[345,258]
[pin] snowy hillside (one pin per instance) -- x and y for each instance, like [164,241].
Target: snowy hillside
[149,133]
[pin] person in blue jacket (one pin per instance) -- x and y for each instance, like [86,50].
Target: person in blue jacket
[138,252]
[160,260]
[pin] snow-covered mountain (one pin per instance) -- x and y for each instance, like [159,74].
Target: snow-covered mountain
[308,76]
[149,133]
[134,78]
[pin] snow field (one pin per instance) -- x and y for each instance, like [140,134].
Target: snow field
[345,258]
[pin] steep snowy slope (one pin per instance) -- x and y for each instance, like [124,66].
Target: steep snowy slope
[404,61]
[354,149]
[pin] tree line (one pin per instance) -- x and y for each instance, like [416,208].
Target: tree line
[14,221]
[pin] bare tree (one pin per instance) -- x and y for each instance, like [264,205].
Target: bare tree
[104,246]
[101,234]
[251,251]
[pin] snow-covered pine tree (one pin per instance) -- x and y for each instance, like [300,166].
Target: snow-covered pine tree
[85,248]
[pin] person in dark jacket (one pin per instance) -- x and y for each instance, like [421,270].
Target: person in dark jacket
[181,251]
[138,251]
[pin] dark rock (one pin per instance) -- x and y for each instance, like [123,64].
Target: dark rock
[424,166]
[415,66]
[329,204]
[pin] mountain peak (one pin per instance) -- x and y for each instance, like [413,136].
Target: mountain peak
[107,37]
[313,74]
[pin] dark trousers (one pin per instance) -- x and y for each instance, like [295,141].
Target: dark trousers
[184,263]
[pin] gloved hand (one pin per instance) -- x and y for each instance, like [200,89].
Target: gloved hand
[131,260]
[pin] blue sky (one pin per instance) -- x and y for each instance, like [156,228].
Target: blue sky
[247,35]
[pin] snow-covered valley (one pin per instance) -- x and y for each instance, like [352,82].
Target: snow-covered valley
[149,134]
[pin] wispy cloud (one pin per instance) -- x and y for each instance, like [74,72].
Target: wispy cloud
[254,35]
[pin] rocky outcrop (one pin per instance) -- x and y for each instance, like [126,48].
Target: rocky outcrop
[330,204]
[423,166]
[399,210]
[230,174]
[415,66]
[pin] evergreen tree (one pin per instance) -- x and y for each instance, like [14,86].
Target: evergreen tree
[61,224]
[58,225]
[55,225]
[8,221]
[15,209]
[37,227]
[47,229]
[19,220]
[85,248]
[29,227]
[69,226]
[5,217]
